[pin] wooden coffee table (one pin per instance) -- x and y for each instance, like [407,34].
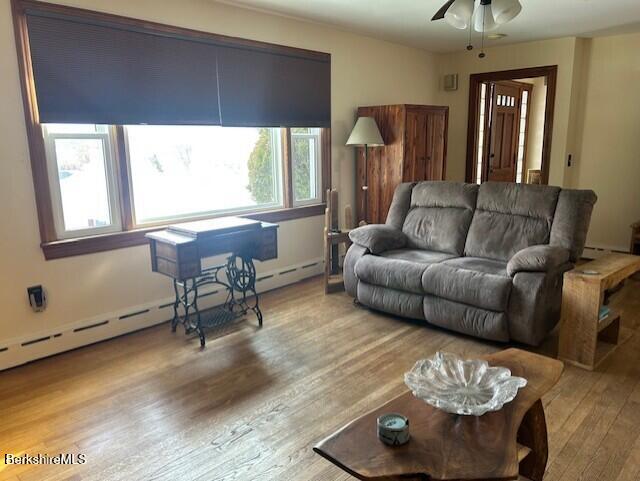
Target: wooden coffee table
[498,445]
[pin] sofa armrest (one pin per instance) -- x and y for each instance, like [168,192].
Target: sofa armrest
[539,258]
[378,237]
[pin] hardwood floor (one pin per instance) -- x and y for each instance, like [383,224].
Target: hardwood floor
[152,406]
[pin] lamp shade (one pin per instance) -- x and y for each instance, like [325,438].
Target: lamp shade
[459,14]
[505,10]
[484,21]
[365,132]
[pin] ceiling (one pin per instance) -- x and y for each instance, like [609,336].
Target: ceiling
[407,21]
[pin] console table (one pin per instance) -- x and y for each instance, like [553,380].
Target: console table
[498,445]
[178,251]
[586,340]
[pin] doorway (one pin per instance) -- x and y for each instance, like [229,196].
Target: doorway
[510,125]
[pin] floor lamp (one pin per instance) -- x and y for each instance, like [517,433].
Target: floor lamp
[365,134]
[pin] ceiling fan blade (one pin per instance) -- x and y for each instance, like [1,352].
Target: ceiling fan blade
[440,13]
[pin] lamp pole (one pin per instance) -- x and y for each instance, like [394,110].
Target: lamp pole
[365,186]
[365,133]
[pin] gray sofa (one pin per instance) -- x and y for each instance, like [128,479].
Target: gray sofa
[483,260]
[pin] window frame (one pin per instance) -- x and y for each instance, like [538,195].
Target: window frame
[53,245]
[126,231]
[110,176]
[318,169]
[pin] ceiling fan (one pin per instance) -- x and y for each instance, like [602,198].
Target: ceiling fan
[487,16]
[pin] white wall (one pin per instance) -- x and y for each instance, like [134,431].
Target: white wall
[364,71]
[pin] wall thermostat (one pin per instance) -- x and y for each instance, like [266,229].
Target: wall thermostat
[451,81]
[37,298]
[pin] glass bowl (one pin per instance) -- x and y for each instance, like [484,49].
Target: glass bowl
[459,386]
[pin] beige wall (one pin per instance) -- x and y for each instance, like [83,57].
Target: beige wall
[364,71]
[597,114]
[607,156]
[558,52]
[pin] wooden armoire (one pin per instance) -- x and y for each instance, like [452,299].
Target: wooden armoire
[415,149]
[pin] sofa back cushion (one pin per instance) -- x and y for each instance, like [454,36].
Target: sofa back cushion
[439,216]
[400,205]
[510,217]
[571,220]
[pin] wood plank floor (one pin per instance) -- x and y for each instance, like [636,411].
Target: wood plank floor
[152,406]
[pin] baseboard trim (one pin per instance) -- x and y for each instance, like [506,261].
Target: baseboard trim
[17,351]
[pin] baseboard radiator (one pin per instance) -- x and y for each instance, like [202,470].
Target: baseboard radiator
[14,352]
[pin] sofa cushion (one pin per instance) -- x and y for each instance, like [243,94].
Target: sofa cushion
[466,319]
[396,302]
[378,237]
[467,286]
[417,255]
[439,216]
[571,220]
[510,217]
[394,272]
[400,205]
[488,266]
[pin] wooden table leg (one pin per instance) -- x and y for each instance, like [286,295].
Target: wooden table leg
[533,434]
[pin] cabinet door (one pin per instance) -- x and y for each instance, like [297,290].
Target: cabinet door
[425,144]
[415,148]
[384,166]
[436,141]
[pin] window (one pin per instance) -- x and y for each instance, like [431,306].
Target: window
[181,172]
[172,173]
[82,179]
[306,165]
[481,126]
[522,135]
[171,145]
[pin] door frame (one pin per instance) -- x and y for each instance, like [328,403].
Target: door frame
[550,72]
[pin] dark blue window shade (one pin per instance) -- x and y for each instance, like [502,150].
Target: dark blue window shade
[88,73]
[89,70]
[264,89]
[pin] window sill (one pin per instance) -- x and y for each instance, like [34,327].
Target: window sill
[106,242]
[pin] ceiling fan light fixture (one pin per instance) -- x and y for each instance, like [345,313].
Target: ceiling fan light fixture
[459,14]
[505,10]
[483,20]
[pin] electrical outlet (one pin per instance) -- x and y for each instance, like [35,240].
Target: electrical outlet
[37,298]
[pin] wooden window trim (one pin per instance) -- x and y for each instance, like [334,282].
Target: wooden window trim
[118,240]
[124,184]
[20,6]
[131,235]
